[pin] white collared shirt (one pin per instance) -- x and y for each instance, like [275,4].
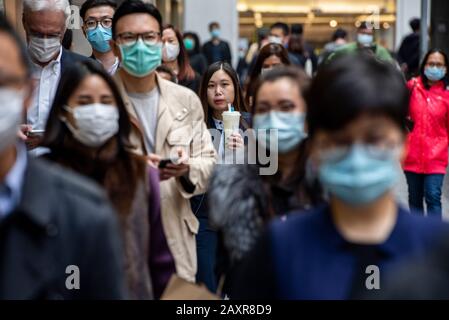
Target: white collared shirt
[114,67]
[47,80]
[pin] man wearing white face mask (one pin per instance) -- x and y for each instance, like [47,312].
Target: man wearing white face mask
[365,42]
[45,25]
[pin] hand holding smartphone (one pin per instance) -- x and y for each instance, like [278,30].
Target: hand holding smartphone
[34,133]
[164,162]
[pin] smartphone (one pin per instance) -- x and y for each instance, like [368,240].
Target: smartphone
[34,133]
[164,162]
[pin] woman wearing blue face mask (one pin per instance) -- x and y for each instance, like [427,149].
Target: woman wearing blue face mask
[428,142]
[242,198]
[347,248]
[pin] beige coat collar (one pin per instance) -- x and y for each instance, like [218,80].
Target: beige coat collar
[165,118]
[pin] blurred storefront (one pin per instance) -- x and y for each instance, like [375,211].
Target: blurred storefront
[320,17]
[241,18]
[172,11]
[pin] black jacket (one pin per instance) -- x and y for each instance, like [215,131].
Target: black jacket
[224,53]
[409,53]
[199,63]
[62,220]
[69,58]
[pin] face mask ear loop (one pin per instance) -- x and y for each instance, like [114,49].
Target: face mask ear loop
[62,117]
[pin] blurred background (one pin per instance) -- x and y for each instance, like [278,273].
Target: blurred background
[240,19]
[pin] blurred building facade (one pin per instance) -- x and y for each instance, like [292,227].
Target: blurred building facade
[241,18]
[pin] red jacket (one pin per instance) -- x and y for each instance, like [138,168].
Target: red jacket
[428,142]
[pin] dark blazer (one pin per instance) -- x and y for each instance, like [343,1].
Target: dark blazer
[62,220]
[295,259]
[69,58]
[409,53]
[224,52]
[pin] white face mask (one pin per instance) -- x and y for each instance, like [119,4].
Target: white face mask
[97,123]
[44,49]
[11,111]
[170,52]
[365,40]
[275,39]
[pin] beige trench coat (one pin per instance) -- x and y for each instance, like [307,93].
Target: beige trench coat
[180,124]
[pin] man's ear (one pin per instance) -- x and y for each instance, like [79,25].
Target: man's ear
[115,49]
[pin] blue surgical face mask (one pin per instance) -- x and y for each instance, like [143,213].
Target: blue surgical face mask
[435,73]
[289,125]
[189,44]
[360,175]
[215,33]
[365,39]
[99,39]
[141,59]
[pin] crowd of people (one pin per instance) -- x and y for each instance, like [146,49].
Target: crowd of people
[155,158]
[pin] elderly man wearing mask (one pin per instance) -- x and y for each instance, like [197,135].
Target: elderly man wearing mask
[44,22]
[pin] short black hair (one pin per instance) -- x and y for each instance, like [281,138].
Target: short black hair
[89,4]
[354,85]
[7,28]
[415,24]
[135,6]
[339,34]
[280,25]
[213,25]
[67,41]
[365,25]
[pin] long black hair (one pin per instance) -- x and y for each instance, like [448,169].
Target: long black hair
[239,102]
[111,165]
[423,67]
[271,49]
[56,130]
[185,69]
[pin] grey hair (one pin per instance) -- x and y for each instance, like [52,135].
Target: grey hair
[51,5]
